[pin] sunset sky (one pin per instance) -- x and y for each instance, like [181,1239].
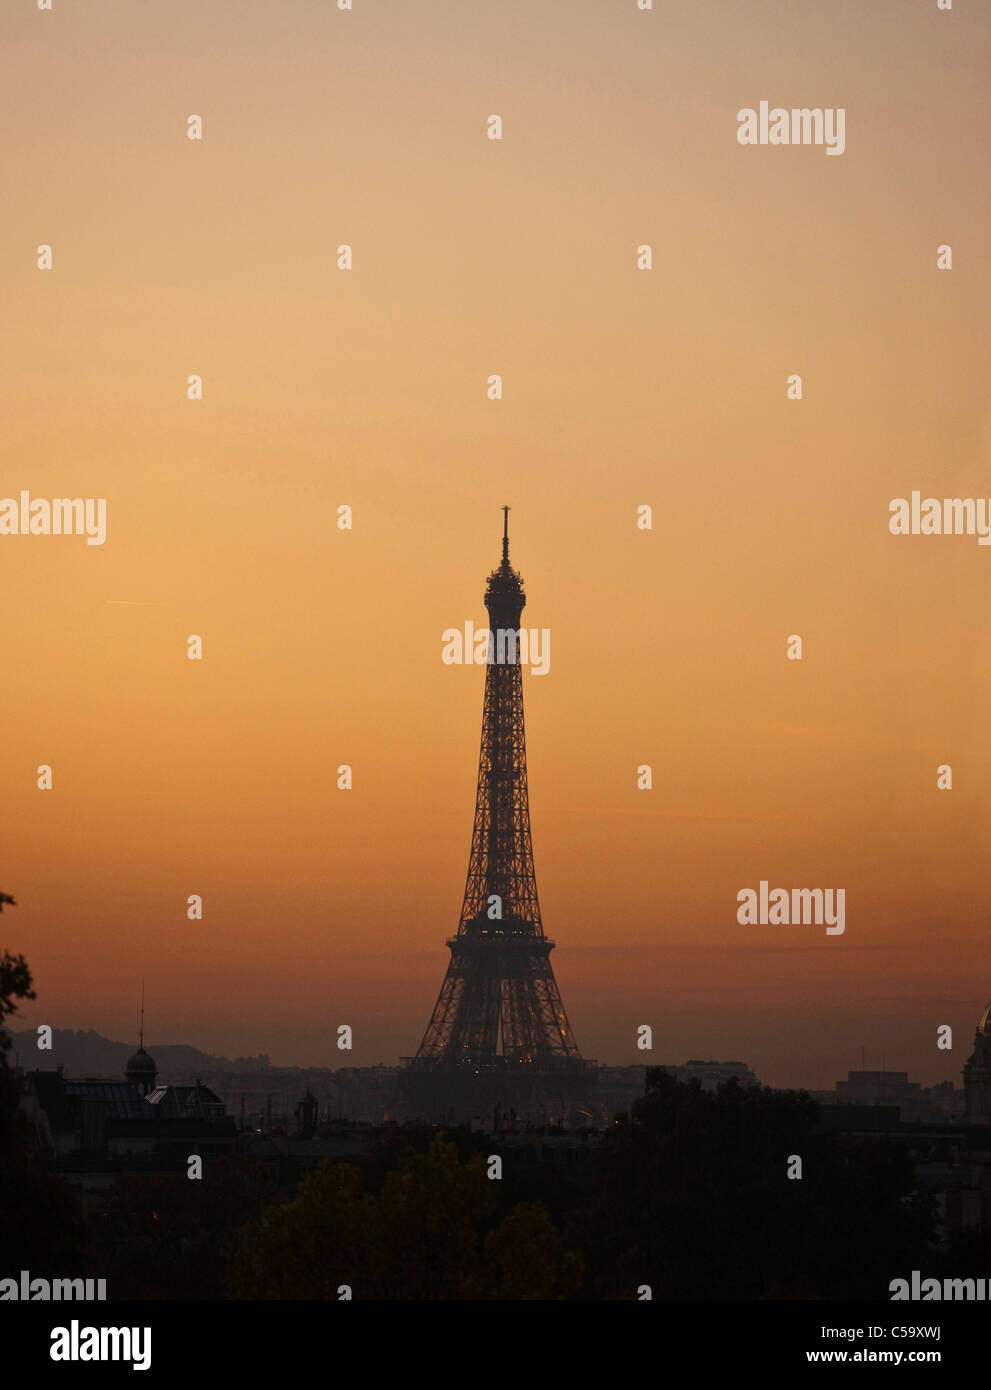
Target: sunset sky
[367,387]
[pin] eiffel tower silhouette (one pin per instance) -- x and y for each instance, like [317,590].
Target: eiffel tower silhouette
[499,1035]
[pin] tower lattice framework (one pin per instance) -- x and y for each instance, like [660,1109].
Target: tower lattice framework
[499,1005]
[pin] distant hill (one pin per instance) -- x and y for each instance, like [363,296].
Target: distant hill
[89,1054]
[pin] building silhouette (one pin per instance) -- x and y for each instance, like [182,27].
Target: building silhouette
[977,1074]
[499,1040]
[141,1071]
[94,1130]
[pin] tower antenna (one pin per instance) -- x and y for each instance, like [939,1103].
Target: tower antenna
[141,1035]
[505,534]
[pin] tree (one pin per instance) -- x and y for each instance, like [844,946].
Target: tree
[170,1236]
[427,1233]
[39,1215]
[309,1247]
[693,1198]
[526,1257]
[15,983]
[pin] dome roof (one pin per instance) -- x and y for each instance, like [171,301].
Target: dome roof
[984,1027]
[141,1065]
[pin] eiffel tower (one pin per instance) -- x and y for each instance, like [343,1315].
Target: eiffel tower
[499,1038]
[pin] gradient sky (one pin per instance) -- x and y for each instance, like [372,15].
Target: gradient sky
[622,387]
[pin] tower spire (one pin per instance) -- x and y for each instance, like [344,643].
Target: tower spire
[141,1070]
[505,535]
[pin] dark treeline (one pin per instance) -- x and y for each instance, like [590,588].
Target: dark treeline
[690,1197]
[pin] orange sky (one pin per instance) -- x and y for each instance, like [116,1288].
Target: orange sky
[621,387]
